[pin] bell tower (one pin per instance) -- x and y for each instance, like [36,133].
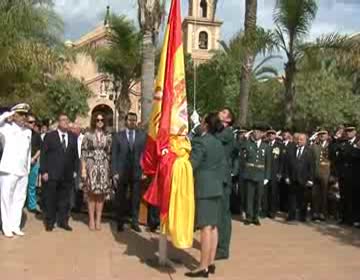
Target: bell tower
[201,30]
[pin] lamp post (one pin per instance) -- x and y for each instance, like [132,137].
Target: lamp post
[112,89]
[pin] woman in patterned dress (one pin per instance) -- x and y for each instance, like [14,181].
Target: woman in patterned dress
[95,162]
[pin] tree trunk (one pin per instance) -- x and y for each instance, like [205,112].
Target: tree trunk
[123,105]
[290,69]
[148,76]
[245,78]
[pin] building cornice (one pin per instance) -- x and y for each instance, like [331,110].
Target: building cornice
[202,21]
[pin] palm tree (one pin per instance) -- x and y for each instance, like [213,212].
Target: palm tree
[293,21]
[236,49]
[248,62]
[29,37]
[122,60]
[150,17]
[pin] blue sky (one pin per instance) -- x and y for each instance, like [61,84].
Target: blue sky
[80,16]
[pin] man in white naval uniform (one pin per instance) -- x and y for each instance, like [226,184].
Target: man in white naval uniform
[14,167]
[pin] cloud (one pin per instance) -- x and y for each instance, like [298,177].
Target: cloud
[80,16]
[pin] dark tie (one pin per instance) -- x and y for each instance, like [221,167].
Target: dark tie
[63,142]
[131,139]
[298,153]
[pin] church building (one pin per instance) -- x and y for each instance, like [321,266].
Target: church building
[201,35]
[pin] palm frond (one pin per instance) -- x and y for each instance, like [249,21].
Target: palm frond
[266,60]
[268,70]
[295,17]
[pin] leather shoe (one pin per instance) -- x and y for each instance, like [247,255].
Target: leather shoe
[153,228]
[257,222]
[120,227]
[49,228]
[136,228]
[247,222]
[212,269]
[198,274]
[65,227]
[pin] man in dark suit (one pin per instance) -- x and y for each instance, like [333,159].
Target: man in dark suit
[271,190]
[127,148]
[288,147]
[59,163]
[300,177]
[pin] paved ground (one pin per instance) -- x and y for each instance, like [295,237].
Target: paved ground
[275,251]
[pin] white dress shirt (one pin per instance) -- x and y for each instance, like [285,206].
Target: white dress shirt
[258,143]
[16,156]
[128,135]
[79,143]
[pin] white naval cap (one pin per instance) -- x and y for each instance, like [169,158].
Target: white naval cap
[21,108]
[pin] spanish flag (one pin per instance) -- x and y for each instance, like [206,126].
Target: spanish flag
[166,156]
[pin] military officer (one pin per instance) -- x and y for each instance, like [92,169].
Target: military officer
[14,167]
[257,171]
[322,175]
[226,137]
[271,191]
[239,169]
[346,173]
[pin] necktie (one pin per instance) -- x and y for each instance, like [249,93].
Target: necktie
[298,152]
[63,142]
[131,139]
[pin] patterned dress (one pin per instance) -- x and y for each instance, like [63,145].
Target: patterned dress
[96,154]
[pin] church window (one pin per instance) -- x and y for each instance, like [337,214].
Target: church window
[203,40]
[204,8]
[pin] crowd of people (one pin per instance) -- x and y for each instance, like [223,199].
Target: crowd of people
[255,172]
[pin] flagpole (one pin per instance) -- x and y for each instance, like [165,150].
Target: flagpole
[163,259]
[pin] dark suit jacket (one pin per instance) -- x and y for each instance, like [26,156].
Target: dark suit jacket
[276,159]
[207,158]
[286,152]
[124,161]
[301,170]
[58,164]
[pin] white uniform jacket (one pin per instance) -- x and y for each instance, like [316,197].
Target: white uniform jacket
[16,156]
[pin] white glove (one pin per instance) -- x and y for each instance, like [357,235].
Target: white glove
[309,183]
[312,138]
[8,114]
[195,118]
[265,182]
[287,181]
[247,134]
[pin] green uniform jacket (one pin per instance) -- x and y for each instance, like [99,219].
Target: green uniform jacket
[226,137]
[207,158]
[257,165]
[239,160]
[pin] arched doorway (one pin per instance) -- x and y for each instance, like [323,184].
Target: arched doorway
[107,112]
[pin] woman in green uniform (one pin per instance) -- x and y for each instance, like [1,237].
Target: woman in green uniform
[207,159]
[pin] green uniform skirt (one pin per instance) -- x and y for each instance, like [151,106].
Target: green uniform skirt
[207,211]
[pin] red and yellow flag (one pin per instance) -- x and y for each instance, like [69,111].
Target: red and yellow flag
[166,156]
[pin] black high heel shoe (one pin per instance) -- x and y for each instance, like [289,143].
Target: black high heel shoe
[198,274]
[212,268]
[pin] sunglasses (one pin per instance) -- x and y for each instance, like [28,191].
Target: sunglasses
[99,120]
[31,122]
